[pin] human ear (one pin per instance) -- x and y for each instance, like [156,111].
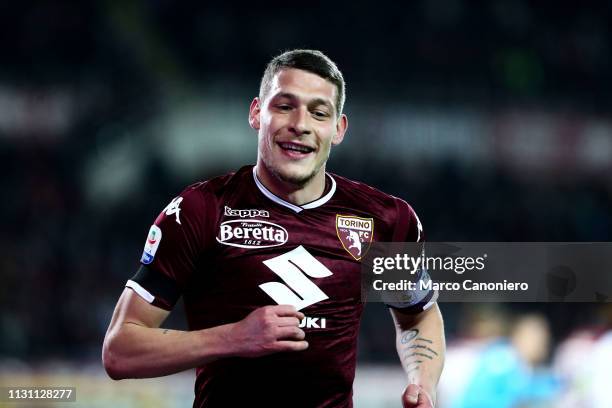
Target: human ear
[254,111]
[341,127]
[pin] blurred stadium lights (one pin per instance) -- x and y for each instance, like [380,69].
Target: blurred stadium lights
[202,134]
[206,133]
[44,113]
[192,137]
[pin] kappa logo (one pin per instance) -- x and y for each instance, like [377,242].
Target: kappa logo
[251,234]
[249,213]
[355,234]
[173,208]
[151,245]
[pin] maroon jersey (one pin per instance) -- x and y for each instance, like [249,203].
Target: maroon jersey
[230,246]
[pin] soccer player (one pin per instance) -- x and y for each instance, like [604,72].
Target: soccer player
[267,260]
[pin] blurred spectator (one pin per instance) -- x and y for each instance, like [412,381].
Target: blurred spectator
[482,325]
[507,373]
[584,361]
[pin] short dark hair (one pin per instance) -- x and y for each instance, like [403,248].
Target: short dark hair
[308,60]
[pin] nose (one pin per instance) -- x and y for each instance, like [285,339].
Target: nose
[299,122]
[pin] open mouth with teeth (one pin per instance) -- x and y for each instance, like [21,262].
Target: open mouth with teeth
[295,150]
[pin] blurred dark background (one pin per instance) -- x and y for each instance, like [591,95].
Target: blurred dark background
[492,118]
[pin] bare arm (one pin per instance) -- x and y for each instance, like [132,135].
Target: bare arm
[136,347]
[421,346]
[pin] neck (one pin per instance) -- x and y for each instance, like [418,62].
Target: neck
[292,193]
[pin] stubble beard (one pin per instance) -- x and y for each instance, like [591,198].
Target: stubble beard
[296,180]
[293,179]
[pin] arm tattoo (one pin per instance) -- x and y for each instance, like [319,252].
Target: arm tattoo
[414,350]
[409,335]
[419,346]
[413,366]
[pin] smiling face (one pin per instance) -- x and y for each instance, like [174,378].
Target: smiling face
[297,123]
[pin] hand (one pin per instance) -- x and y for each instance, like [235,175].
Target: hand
[267,330]
[416,397]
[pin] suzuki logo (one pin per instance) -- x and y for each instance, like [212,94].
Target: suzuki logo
[293,268]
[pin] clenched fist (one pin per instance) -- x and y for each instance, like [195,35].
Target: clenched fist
[267,330]
[416,397]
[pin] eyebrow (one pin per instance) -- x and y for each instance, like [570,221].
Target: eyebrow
[312,102]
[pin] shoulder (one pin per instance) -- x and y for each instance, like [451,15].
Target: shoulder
[366,195]
[359,190]
[199,201]
[202,192]
[390,209]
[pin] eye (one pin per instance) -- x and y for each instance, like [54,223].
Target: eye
[319,114]
[283,107]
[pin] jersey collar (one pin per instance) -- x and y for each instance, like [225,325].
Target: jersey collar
[296,208]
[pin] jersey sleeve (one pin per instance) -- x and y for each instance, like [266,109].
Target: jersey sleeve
[172,249]
[409,229]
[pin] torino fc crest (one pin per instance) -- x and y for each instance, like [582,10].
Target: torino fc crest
[355,234]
